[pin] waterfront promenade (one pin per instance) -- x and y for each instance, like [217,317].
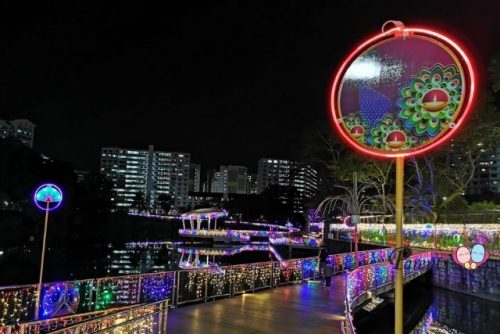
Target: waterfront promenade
[299,308]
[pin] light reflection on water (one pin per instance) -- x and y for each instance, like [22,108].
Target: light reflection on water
[147,257]
[456,313]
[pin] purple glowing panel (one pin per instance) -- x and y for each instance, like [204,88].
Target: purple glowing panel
[48,197]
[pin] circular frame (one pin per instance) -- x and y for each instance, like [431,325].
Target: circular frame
[468,101]
[57,204]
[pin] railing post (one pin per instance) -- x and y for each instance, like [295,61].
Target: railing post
[94,296]
[228,273]
[253,277]
[271,284]
[163,316]
[206,284]
[139,292]
[178,283]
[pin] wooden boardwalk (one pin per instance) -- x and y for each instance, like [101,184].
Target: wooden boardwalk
[301,308]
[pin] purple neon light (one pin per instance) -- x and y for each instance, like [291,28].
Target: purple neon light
[48,193]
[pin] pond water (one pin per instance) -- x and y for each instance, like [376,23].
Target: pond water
[21,266]
[431,310]
[456,313]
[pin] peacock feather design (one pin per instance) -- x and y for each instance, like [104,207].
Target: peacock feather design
[357,126]
[389,134]
[431,99]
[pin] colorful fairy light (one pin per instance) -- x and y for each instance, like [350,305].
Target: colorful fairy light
[449,236]
[17,304]
[223,252]
[298,240]
[364,279]
[151,215]
[70,299]
[156,287]
[204,214]
[230,234]
[272,226]
[244,235]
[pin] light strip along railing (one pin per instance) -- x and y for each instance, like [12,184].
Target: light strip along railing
[71,301]
[362,281]
[443,237]
[244,235]
[346,261]
[148,318]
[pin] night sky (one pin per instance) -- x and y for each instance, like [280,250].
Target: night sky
[229,82]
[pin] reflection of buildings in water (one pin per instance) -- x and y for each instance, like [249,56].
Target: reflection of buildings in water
[142,257]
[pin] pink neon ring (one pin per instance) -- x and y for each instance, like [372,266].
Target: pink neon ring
[470,95]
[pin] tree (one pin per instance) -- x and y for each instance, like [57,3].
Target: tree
[278,202]
[341,163]
[352,201]
[139,202]
[165,202]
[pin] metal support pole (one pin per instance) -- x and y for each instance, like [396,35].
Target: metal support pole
[398,324]
[356,255]
[139,287]
[177,283]
[42,261]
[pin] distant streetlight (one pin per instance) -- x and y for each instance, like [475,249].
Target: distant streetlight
[47,198]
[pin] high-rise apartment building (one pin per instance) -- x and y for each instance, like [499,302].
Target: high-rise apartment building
[4,129]
[22,129]
[487,172]
[486,161]
[194,177]
[233,179]
[214,181]
[252,184]
[148,173]
[228,180]
[288,175]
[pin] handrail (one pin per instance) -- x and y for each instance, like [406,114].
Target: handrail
[107,322]
[379,275]
[443,237]
[74,298]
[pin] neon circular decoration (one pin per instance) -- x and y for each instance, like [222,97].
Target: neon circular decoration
[48,197]
[402,92]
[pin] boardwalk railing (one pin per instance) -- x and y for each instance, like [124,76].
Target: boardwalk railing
[443,237]
[146,318]
[372,280]
[74,301]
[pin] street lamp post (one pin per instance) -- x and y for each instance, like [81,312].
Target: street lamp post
[47,198]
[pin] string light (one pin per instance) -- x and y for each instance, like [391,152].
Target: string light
[364,279]
[448,236]
[98,295]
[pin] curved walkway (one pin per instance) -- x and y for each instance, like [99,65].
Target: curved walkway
[294,309]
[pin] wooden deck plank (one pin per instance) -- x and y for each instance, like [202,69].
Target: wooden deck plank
[301,308]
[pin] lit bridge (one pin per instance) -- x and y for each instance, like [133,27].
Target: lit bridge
[138,303]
